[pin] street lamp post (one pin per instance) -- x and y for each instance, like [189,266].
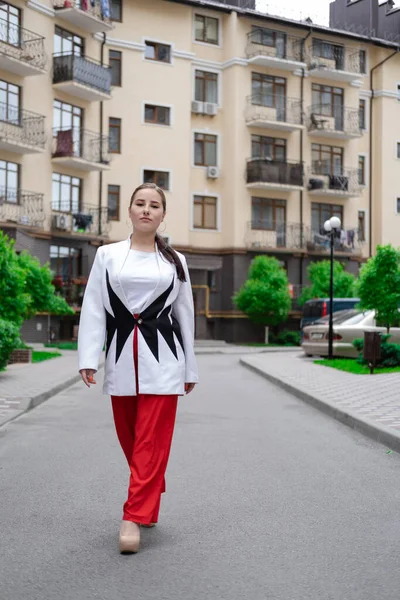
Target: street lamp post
[332,226]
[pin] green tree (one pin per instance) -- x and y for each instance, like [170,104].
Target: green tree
[378,285]
[14,299]
[265,297]
[319,276]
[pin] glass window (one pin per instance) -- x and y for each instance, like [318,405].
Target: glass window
[114,130]
[10,31]
[10,95]
[65,262]
[268,214]
[363,62]
[398,206]
[361,225]
[323,212]
[205,150]
[113,202]
[206,29]
[331,52]
[268,147]
[398,149]
[9,181]
[66,193]
[116,10]
[115,61]
[66,42]
[157,114]
[327,160]
[361,112]
[160,178]
[267,90]
[361,170]
[158,52]
[206,87]
[271,38]
[205,212]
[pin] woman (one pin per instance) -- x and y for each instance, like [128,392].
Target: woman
[138,301]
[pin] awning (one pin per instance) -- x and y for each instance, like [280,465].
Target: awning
[204,263]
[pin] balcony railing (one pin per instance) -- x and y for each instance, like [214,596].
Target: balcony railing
[83,70]
[21,207]
[339,121]
[90,8]
[263,170]
[86,220]
[22,45]
[348,241]
[326,57]
[341,182]
[274,45]
[273,109]
[21,127]
[80,144]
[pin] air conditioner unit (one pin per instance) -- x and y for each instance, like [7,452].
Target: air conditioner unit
[197,107]
[210,108]
[212,172]
[63,222]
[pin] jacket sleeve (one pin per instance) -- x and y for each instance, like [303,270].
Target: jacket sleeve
[92,324]
[183,310]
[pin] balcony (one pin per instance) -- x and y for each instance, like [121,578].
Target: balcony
[263,173]
[347,242]
[81,77]
[342,184]
[273,112]
[336,63]
[344,124]
[80,149]
[87,221]
[274,49]
[263,235]
[21,51]
[21,207]
[82,14]
[21,131]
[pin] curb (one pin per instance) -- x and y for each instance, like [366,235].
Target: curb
[378,433]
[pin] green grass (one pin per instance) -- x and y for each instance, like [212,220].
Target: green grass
[270,345]
[41,356]
[350,365]
[63,345]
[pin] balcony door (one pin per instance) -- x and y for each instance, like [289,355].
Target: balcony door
[268,148]
[10,103]
[270,91]
[9,182]
[67,124]
[329,102]
[323,212]
[270,215]
[270,38]
[10,24]
[68,43]
[327,160]
[329,51]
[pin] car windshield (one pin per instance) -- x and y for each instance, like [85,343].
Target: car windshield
[351,315]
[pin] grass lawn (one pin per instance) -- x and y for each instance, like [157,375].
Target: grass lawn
[271,345]
[350,365]
[63,345]
[41,356]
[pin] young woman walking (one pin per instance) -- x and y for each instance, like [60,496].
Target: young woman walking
[138,301]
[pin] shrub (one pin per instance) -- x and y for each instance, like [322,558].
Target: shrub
[390,353]
[286,338]
[9,339]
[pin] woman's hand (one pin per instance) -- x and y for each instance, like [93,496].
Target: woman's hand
[189,387]
[87,376]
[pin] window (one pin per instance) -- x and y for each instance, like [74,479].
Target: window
[11,22]
[361,226]
[65,262]
[160,115]
[331,52]
[363,61]
[67,119]
[205,212]
[268,214]
[361,170]
[113,202]
[158,52]
[116,10]
[398,206]
[115,60]
[205,150]
[160,178]
[9,181]
[398,92]
[361,113]
[268,147]
[206,87]
[398,149]
[66,193]
[271,38]
[114,131]
[323,212]
[327,160]
[212,280]
[206,29]
[328,101]
[267,90]
[66,42]
[10,96]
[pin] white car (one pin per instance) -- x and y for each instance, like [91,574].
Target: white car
[348,325]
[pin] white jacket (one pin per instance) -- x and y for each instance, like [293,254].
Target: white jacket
[166,358]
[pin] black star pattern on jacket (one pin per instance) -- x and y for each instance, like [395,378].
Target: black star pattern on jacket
[155,318]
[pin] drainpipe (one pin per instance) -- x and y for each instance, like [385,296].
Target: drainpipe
[103,43]
[371,169]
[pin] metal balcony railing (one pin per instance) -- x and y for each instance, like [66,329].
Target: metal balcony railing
[341,181]
[88,219]
[348,240]
[78,143]
[265,107]
[21,126]
[270,235]
[68,67]
[325,117]
[22,44]
[331,57]
[21,207]
[264,170]
[94,8]
[273,44]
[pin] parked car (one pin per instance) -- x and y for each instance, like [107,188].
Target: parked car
[319,307]
[348,325]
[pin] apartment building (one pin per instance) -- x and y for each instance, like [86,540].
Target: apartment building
[257,127]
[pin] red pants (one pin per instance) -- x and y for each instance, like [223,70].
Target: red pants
[145,426]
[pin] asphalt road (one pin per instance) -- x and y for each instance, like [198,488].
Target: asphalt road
[267,499]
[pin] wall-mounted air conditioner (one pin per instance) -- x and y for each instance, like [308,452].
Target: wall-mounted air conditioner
[63,222]
[210,108]
[197,107]
[212,172]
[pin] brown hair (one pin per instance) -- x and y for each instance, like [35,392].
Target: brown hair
[165,249]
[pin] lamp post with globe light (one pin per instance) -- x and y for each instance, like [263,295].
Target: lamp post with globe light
[332,226]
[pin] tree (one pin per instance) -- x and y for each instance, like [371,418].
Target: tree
[378,285]
[265,297]
[319,276]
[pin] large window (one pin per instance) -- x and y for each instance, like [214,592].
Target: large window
[11,22]
[116,10]
[9,181]
[361,226]
[115,61]
[361,114]
[327,160]
[67,116]
[268,214]
[65,262]
[361,170]
[66,193]
[113,202]
[206,29]
[267,90]
[268,147]
[328,101]
[66,42]
[271,38]
[159,115]
[331,52]
[10,101]
[160,178]
[205,212]
[114,131]
[157,52]
[323,212]
[205,150]
[363,61]
[206,88]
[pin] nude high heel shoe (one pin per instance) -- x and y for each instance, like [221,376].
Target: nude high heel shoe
[129,537]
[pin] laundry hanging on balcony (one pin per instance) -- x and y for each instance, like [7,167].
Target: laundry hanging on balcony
[105,8]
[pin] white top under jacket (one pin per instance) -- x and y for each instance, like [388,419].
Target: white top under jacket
[138,278]
[165,326]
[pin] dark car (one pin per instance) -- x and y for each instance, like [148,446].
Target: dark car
[319,307]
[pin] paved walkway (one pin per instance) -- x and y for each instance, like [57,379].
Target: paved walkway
[370,404]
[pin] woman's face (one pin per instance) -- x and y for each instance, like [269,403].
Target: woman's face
[146,211]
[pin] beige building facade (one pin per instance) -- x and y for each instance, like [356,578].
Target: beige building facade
[258,128]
